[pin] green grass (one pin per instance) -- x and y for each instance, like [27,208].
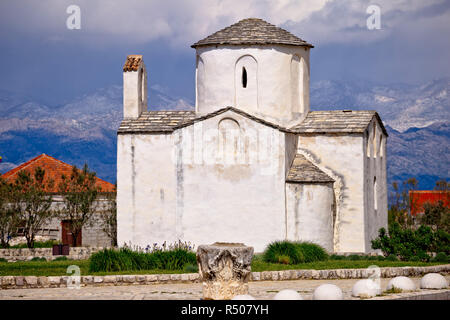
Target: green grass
[58,268]
[37,244]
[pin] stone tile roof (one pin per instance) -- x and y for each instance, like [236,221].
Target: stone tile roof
[302,170]
[336,121]
[132,63]
[168,121]
[252,31]
[156,121]
[54,168]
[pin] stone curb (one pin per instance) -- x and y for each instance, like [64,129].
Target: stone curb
[22,282]
[426,294]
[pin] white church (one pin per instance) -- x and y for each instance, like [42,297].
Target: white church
[252,163]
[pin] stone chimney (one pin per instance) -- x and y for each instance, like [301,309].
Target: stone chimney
[134,87]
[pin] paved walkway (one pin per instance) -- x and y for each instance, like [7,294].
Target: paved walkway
[258,289]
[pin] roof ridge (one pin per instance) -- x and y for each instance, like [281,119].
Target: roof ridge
[304,170]
[252,31]
[21,166]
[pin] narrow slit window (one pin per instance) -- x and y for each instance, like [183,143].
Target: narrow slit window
[244,77]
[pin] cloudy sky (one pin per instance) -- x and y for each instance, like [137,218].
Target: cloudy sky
[40,56]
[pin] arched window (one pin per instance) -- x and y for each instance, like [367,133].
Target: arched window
[381,146]
[229,141]
[374,141]
[246,85]
[200,81]
[375,196]
[244,77]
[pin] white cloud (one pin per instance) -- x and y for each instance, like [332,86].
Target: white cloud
[184,22]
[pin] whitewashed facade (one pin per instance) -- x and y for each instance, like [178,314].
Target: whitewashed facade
[252,163]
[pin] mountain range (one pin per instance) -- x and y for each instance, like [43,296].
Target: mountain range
[84,130]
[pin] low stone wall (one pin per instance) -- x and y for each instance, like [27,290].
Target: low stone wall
[75,253]
[21,282]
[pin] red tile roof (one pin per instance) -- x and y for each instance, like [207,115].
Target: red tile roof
[54,168]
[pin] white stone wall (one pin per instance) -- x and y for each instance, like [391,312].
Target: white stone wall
[376,197]
[341,157]
[203,184]
[277,76]
[309,209]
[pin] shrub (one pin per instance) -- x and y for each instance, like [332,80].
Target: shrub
[125,259]
[407,243]
[38,259]
[190,268]
[414,258]
[284,260]
[440,257]
[371,258]
[3,260]
[62,258]
[277,249]
[174,259]
[354,257]
[336,257]
[381,258]
[392,257]
[311,251]
[37,244]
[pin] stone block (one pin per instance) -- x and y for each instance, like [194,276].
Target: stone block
[129,278]
[151,278]
[31,281]
[54,281]
[19,281]
[225,269]
[43,282]
[109,279]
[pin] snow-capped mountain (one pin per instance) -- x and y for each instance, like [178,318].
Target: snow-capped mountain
[400,106]
[84,130]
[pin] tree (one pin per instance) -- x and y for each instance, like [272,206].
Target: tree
[9,213]
[399,210]
[108,217]
[34,202]
[79,192]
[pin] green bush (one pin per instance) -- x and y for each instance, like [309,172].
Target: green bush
[407,243]
[311,252]
[336,257]
[62,258]
[440,257]
[414,258]
[278,249]
[372,258]
[3,260]
[381,258]
[392,257]
[38,259]
[354,257]
[190,268]
[37,244]
[125,259]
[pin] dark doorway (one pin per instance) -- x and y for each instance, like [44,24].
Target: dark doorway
[67,237]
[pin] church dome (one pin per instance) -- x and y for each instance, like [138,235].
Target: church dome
[252,31]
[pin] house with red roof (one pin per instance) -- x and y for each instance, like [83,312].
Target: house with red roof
[92,233]
[418,198]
